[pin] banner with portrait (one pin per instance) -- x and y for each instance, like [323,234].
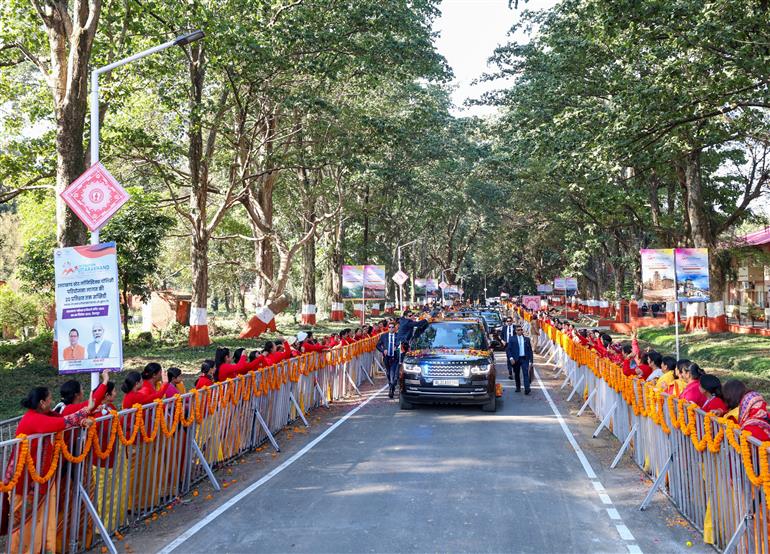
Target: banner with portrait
[545,288]
[658,274]
[88,325]
[692,274]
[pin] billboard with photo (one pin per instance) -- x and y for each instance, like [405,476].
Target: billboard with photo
[692,274]
[374,282]
[658,274]
[352,282]
[363,282]
[88,324]
[545,288]
[426,288]
[531,302]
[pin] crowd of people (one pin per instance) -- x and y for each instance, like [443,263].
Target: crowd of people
[682,378]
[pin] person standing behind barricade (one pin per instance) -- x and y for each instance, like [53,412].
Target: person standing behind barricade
[389,347]
[711,387]
[519,351]
[749,408]
[111,492]
[507,334]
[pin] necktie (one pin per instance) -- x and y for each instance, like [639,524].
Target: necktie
[390,345]
[509,333]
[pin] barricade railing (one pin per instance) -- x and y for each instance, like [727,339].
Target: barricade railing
[717,476]
[63,492]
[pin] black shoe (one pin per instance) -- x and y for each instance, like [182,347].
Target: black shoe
[390,394]
[518,390]
[510,376]
[526,391]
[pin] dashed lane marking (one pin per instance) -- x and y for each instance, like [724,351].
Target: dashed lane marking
[623,531]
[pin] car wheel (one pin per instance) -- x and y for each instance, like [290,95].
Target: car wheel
[404,404]
[490,406]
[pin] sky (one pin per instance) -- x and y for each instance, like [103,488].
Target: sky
[469,32]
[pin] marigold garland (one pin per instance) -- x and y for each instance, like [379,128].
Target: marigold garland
[202,402]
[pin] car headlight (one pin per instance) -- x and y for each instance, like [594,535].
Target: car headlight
[481,369]
[412,368]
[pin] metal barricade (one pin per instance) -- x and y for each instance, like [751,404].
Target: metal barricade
[86,485]
[714,477]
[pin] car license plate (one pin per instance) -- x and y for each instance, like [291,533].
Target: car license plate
[446,382]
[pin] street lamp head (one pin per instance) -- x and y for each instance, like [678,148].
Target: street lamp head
[181,40]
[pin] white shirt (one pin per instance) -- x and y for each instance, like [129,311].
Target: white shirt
[655,374]
[521,345]
[510,331]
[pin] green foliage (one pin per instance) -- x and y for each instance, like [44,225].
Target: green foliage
[138,229]
[19,312]
[35,267]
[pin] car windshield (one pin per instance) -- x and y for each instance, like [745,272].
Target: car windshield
[453,335]
[492,318]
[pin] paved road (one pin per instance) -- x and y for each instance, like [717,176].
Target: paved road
[436,479]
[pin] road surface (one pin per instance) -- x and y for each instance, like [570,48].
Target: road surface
[447,479]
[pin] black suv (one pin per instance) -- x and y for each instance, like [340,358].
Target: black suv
[451,361]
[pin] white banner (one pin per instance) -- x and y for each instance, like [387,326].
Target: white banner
[88,308]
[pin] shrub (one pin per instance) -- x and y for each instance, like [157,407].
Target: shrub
[19,311]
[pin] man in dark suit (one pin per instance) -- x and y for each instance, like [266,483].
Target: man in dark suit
[507,334]
[389,346]
[519,353]
[409,327]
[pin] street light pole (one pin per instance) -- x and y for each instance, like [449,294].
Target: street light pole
[178,41]
[401,286]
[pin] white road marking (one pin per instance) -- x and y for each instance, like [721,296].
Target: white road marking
[613,513]
[181,539]
[623,531]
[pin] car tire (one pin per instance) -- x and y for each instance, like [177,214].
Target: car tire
[404,404]
[490,406]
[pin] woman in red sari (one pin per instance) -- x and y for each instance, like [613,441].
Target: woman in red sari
[692,391]
[39,419]
[711,387]
[752,409]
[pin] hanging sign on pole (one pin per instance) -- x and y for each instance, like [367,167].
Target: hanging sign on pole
[88,308]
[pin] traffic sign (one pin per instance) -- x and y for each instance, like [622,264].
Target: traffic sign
[95,196]
[443,284]
[400,277]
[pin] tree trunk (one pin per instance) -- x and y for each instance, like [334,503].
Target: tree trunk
[308,249]
[263,249]
[336,259]
[199,257]
[125,312]
[70,164]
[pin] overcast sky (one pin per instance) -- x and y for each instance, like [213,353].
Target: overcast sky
[470,31]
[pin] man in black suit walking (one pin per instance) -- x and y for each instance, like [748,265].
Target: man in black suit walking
[508,334]
[519,352]
[389,346]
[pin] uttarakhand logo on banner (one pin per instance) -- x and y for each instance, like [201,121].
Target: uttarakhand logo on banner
[88,308]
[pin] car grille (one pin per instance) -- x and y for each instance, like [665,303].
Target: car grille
[446,370]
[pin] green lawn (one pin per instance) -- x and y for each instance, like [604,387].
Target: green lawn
[728,355]
[24,365]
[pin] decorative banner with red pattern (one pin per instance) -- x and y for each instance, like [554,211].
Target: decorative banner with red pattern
[95,196]
[531,302]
